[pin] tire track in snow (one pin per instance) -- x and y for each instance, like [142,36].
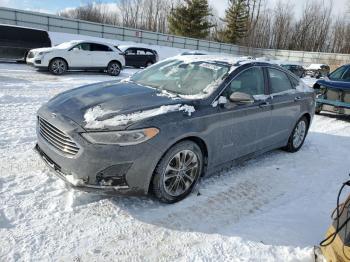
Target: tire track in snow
[223,200]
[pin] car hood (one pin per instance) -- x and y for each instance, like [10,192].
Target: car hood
[113,98]
[334,84]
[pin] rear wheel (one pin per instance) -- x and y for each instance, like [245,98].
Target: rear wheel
[177,172]
[297,138]
[113,68]
[58,66]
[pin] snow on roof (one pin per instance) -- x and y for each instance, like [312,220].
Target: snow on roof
[315,66]
[233,60]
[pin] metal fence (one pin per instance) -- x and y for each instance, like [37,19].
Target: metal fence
[60,24]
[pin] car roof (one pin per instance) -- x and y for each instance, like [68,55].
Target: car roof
[90,41]
[24,27]
[226,59]
[124,47]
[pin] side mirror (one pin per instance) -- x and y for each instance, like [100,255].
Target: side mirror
[241,98]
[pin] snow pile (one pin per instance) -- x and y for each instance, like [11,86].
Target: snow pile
[94,117]
[272,208]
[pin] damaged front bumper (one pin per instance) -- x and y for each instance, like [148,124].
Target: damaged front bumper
[79,184]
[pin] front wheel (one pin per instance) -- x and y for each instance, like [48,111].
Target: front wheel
[113,68]
[297,138]
[58,66]
[177,172]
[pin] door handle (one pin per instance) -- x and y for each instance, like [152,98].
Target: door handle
[297,98]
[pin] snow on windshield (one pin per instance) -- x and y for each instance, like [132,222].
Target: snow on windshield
[66,44]
[187,76]
[93,115]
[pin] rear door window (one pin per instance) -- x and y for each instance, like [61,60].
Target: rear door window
[279,81]
[100,48]
[83,47]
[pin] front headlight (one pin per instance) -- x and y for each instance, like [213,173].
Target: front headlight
[43,53]
[122,138]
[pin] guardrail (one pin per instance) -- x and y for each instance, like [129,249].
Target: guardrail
[56,23]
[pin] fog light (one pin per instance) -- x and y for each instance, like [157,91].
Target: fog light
[113,175]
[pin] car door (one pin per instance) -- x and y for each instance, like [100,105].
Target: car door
[79,56]
[101,55]
[286,105]
[241,128]
[141,57]
[130,57]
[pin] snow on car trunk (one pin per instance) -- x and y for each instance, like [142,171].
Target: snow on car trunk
[272,208]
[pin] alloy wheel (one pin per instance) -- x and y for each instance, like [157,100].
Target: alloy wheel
[299,134]
[58,67]
[180,173]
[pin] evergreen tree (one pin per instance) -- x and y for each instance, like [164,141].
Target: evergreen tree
[237,19]
[190,19]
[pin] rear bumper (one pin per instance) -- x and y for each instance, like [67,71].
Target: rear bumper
[333,106]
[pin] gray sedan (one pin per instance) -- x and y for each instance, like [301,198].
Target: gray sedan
[163,128]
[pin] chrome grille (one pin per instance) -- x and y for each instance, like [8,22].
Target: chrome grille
[57,138]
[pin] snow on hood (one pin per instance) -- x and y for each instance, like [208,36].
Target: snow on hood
[43,49]
[94,117]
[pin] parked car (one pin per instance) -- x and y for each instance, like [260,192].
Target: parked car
[16,41]
[139,56]
[167,125]
[296,69]
[334,91]
[78,55]
[317,70]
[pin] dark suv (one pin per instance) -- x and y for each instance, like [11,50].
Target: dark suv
[16,41]
[139,56]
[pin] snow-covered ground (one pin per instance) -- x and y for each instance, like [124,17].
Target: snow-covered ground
[273,208]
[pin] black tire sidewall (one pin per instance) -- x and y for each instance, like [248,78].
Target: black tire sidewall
[158,178]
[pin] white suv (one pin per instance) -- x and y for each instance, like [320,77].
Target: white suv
[78,55]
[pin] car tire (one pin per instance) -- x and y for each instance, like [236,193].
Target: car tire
[113,68]
[297,138]
[58,66]
[171,182]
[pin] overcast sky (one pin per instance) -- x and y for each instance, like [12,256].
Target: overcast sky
[52,6]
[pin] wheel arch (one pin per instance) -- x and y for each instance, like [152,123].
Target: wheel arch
[117,61]
[198,141]
[308,117]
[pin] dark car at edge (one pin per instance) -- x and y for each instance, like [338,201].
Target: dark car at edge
[333,92]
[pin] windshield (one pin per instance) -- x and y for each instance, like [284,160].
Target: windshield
[183,77]
[66,45]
